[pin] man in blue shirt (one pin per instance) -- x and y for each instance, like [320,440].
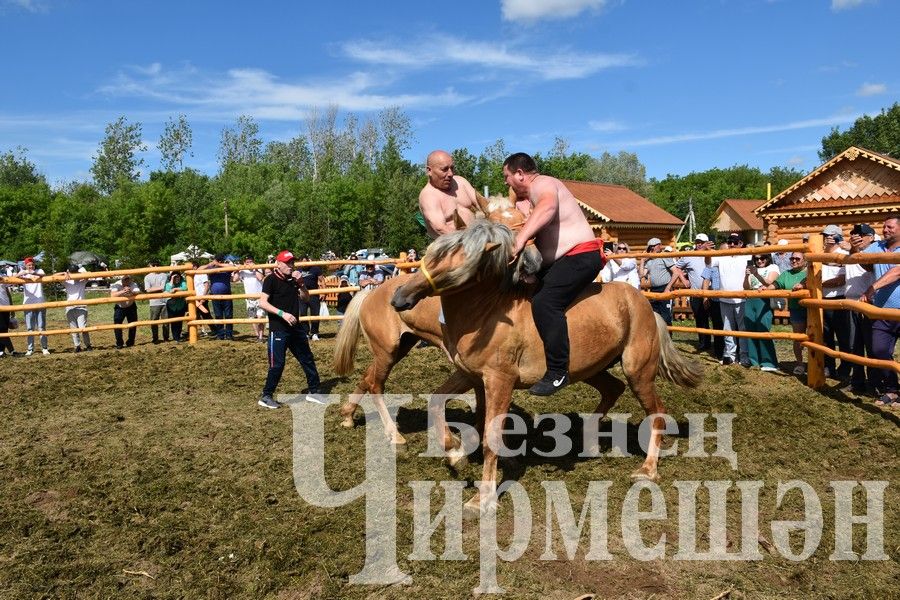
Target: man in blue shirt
[220,284]
[885,293]
[712,281]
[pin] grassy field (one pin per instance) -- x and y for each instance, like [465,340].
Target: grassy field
[150,472]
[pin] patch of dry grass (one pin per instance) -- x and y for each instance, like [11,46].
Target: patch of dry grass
[150,472]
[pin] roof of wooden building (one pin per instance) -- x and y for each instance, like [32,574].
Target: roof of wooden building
[618,204]
[742,211]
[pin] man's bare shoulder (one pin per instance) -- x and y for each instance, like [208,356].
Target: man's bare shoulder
[465,192]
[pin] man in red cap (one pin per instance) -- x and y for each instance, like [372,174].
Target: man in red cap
[281,293]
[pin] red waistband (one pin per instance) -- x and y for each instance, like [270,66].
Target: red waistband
[591,246]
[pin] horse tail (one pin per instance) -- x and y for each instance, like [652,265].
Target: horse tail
[672,365]
[348,336]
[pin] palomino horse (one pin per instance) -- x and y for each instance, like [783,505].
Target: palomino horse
[490,334]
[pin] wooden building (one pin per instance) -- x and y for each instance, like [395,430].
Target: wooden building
[737,216]
[856,186]
[618,214]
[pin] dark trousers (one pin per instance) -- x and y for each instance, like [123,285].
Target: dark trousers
[223,309]
[5,342]
[312,307]
[661,307]
[884,339]
[121,315]
[860,345]
[295,341]
[178,326]
[701,318]
[836,330]
[718,342]
[156,313]
[560,285]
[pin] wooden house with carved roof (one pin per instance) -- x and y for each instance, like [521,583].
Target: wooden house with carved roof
[618,214]
[736,215]
[856,186]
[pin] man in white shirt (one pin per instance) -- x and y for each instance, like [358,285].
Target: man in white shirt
[126,309]
[732,270]
[155,283]
[835,323]
[252,279]
[35,320]
[621,269]
[859,278]
[76,315]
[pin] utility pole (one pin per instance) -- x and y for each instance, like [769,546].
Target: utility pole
[225,203]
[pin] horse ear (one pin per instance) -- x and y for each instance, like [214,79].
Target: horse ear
[458,222]
[491,246]
[482,203]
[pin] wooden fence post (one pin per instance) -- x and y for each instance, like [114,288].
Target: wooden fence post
[192,310]
[815,370]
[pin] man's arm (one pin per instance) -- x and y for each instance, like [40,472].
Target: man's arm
[154,290]
[892,275]
[545,210]
[269,308]
[430,205]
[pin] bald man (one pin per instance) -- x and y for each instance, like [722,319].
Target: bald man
[444,194]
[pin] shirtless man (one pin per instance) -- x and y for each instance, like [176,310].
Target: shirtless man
[571,259]
[444,194]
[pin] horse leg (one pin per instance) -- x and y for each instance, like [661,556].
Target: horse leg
[610,389]
[640,370]
[498,396]
[456,384]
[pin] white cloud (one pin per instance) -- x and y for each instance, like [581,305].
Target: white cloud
[445,50]
[33,6]
[838,5]
[606,126]
[532,10]
[738,131]
[795,161]
[262,94]
[871,89]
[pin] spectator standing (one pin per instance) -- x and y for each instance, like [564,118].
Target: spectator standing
[621,269]
[252,279]
[155,283]
[783,261]
[370,278]
[835,323]
[76,315]
[885,293]
[6,317]
[412,256]
[33,293]
[201,288]
[353,271]
[794,279]
[125,309]
[758,312]
[312,280]
[693,267]
[658,272]
[859,279]
[343,298]
[220,284]
[713,281]
[731,275]
[280,298]
[176,307]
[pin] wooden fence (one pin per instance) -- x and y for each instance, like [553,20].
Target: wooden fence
[811,299]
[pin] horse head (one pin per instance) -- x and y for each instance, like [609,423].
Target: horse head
[456,261]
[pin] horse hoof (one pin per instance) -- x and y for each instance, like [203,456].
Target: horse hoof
[456,460]
[348,423]
[640,475]
[398,441]
[472,509]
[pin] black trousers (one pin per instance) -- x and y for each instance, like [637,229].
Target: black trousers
[5,342]
[836,331]
[295,341]
[715,315]
[120,315]
[701,317]
[312,307]
[560,285]
[860,345]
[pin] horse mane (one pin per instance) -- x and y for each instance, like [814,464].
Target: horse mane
[493,263]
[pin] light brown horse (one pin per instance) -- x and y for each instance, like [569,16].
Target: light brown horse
[490,334]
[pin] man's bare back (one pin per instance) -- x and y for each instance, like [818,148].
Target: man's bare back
[444,195]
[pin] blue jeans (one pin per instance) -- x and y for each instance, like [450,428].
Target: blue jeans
[36,320]
[279,343]
[223,309]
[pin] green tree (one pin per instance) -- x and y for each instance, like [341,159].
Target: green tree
[623,168]
[117,159]
[880,133]
[490,168]
[174,143]
[464,163]
[240,143]
[16,169]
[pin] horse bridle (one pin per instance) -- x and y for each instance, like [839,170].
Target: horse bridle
[422,269]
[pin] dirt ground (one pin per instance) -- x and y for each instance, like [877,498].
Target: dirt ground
[151,472]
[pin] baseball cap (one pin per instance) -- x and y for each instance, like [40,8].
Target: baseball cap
[654,241]
[832,230]
[862,229]
[285,256]
[701,237]
[28,260]
[734,236]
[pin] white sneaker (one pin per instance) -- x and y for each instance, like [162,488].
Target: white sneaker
[768,369]
[29,352]
[315,338]
[800,370]
[45,351]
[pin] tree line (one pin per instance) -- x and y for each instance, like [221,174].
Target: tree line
[340,185]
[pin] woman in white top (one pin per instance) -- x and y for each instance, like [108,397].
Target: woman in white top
[621,269]
[33,293]
[761,272]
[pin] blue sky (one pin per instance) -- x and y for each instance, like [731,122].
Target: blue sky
[686,85]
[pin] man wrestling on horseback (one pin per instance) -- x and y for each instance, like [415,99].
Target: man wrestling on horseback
[444,195]
[571,259]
